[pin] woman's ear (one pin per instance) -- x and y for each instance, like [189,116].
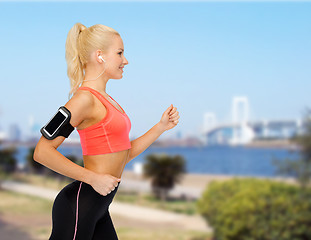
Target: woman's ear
[99,55]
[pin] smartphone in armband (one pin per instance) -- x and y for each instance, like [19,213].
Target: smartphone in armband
[58,125]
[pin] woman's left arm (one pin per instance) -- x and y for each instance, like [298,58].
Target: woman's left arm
[168,120]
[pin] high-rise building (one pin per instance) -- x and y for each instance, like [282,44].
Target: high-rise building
[14,132]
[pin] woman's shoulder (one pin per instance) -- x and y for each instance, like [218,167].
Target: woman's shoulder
[82,96]
[80,105]
[82,99]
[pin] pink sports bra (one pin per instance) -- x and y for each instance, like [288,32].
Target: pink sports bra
[109,135]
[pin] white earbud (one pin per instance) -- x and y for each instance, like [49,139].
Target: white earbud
[102,58]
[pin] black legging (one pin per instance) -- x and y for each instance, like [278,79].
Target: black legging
[81,213]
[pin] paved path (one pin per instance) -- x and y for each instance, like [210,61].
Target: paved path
[127,210]
[178,190]
[9,232]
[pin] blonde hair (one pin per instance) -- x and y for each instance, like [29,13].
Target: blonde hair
[80,43]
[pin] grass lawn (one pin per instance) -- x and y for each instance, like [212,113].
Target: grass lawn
[33,216]
[148,200]
[29,214]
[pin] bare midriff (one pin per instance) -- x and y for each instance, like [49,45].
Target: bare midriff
[109,163]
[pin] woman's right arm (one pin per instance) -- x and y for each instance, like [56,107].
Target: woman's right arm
[46,153]
[46,150]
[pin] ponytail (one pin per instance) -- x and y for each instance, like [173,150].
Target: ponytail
[74,65]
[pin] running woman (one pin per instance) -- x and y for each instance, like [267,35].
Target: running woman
[81,209]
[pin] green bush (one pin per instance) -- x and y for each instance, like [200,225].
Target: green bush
[254,209]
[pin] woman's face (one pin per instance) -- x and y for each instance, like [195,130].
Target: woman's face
[115,60]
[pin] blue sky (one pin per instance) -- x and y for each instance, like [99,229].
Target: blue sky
[197,56]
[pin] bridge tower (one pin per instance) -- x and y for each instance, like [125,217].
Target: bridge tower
[209,121]
[242,133]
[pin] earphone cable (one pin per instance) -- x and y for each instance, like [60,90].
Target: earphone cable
[97,77]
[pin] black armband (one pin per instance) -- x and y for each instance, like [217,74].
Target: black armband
[58,125]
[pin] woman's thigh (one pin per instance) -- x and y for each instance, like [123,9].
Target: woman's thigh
[104,229]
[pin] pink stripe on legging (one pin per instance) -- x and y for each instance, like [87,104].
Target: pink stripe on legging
[74,237]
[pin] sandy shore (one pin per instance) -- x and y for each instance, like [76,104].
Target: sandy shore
[277,143]
[198,180]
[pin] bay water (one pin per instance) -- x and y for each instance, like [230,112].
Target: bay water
[222,160]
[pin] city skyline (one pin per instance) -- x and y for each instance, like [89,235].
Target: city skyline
[197,56]
[239,116]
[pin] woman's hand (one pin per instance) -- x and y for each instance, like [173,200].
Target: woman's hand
[104,183]
[169,118]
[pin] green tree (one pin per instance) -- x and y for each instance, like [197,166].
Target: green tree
[8,162]
[256,209]
[165,171]
[32,165]
[301,168]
